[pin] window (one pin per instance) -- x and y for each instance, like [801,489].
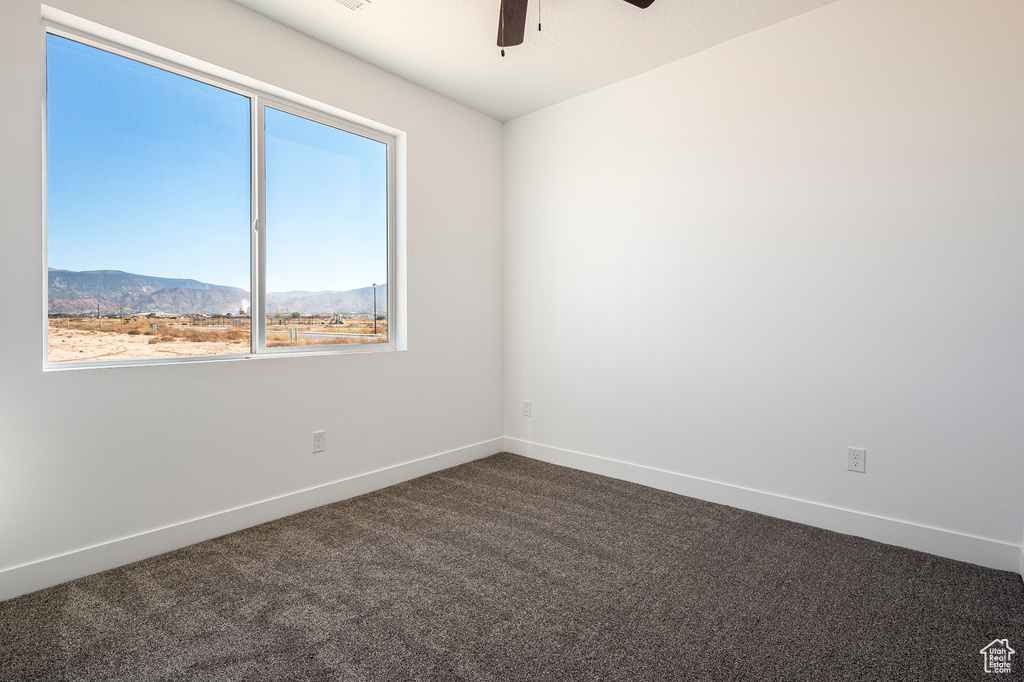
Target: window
[188,216]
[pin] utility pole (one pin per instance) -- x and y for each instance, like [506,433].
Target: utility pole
[374,308]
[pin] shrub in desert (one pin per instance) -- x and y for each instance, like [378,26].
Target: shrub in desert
[200,335]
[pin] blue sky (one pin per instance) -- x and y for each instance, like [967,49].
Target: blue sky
[326,206]
[149,172]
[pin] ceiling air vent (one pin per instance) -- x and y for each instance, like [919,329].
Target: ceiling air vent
[352,4]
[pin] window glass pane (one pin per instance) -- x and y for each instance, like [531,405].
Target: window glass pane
[148,210]
[326,234]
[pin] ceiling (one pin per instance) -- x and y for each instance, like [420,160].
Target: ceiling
[449,46]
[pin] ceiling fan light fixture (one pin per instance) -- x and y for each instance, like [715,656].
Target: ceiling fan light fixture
[512,20]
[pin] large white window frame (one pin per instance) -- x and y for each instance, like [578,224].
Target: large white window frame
[260,95]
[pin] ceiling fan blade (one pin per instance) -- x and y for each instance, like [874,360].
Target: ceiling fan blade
[512,22]
[642,4]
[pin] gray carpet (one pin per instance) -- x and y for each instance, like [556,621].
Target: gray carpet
[512,569]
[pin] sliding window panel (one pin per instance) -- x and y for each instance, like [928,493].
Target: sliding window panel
[326,257]
[148,210]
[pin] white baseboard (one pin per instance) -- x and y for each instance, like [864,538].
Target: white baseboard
[945,543]
[36,575]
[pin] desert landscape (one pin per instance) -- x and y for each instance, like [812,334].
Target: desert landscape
[80,339]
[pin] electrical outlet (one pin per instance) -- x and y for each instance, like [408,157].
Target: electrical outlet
[319,441]
[527,408]
[855,459]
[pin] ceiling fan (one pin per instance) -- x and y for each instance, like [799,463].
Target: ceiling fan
[512,21]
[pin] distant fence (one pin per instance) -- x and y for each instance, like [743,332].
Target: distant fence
[217,321]
[287,320]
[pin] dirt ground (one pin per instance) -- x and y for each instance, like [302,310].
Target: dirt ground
[66,345]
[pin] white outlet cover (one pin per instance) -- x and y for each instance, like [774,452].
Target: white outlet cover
[319,441]
[855,459]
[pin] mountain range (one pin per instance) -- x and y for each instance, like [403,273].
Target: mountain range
[109,290]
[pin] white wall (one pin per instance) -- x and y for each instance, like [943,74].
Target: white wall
[721,273]
[126,460]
